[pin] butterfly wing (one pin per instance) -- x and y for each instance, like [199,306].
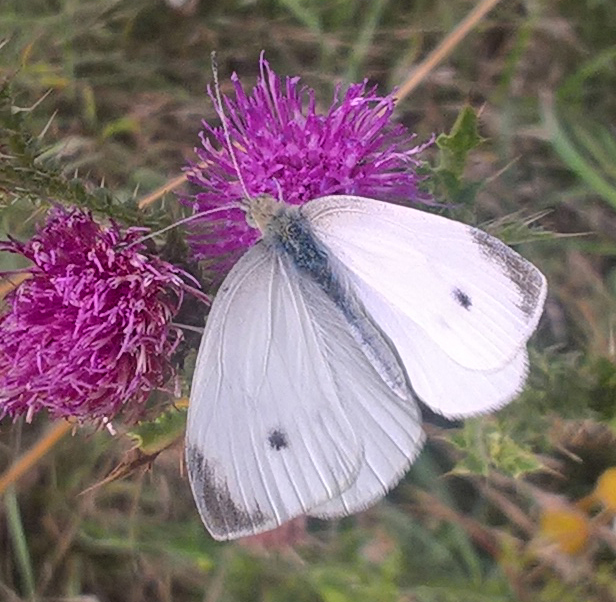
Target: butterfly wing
[447,387]
[458,304]
[392,437]
[271,428]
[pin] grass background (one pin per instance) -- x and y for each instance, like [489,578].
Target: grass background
[480,516]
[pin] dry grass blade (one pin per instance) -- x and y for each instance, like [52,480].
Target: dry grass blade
[446,47]
[160,192]
[9,284]
[34,454]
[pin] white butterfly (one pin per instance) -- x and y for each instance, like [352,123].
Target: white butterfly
[320,341]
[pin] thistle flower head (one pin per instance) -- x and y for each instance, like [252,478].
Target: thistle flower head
[90,330]
[288,149]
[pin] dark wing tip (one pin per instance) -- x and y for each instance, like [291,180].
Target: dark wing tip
[223,516]
[529,281]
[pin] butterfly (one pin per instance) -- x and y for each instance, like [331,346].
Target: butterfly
[322,339]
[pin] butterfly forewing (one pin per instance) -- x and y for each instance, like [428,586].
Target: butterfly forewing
[476,298]
[262,446]
[287,409]
[457,304]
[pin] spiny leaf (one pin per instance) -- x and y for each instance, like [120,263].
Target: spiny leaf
[28,172]
[486,447]
[515,228]
[454,150]
[150,438]
[455,146]
[153,437]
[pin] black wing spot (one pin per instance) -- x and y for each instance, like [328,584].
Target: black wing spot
[462,298]
[277,440]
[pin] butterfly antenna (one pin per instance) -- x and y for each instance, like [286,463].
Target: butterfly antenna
[180,222]
[225,127]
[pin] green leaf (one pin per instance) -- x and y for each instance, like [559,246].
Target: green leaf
[455,146]
[585,149]
[487,447]
[18,538]
[454,150]
[153,437]
[124,125]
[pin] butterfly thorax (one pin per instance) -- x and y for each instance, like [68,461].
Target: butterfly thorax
[288,233]
[283,226]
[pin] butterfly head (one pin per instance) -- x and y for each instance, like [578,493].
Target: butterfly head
[261,210]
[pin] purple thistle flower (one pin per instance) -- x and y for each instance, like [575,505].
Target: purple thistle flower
[90,330]
[287,149]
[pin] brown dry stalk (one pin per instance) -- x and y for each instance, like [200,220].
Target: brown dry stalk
[159,192]
[7,285]
[34,454]
[489,539]
[446,47]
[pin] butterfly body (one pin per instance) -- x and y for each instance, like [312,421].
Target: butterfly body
[288,234]
[319,342]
